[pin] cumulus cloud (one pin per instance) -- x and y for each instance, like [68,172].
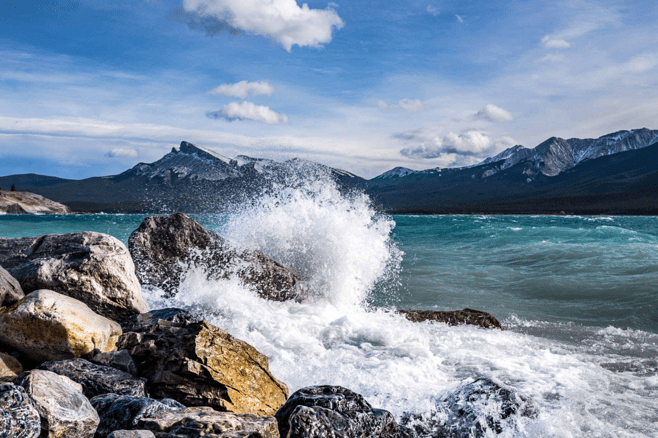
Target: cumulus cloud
[409,105]
[248,111]
[243,89]
[469,143]
[283,21]
[122,153]
[494,114]
[554,43]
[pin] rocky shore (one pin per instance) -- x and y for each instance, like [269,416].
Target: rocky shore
[12,202]
[82,356]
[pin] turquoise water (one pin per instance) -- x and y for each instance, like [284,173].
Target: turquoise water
[595,271]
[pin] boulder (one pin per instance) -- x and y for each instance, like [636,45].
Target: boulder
[476,409]
[131,434]
[65,412]
[199,364]
[10,289]
[121,360]
[92,267]
[97,379]
[456,317]
[9,366]
[164,247]
[170,316]
[19,417]
[46,325]
[169,420]
[334,411]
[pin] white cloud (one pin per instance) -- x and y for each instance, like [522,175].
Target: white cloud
[243,89]
[122,153]
[552,58]
[249,111]
[409,105]
[284,21]
[433,10]
[555,43]
[494,114]
[460,18]
[468,143]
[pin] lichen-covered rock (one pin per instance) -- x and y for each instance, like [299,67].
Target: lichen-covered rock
[9,366]
[65,412]
[168,419]
[476,409]
[10,289]
[19,417]
[121,360]
[456,317]
[199,364]
[164,246]
[97,379]
[131,434]
[123,412]
[92,267]
[46,325]
[334,411]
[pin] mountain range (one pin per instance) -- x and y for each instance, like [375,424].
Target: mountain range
[614,174]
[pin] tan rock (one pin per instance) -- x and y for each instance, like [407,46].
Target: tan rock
[29,203]
[10,289]
[199,364]
[46,325]
[9,366]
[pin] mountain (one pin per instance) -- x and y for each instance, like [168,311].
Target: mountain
[190,178]
[400,172]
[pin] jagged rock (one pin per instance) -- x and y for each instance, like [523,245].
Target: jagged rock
[334,411]
[29,203]
[97,379]
[199,364]
[473,410]
[164,246]
[171,420]
[92,267]
[65,412]
[46,325]
[131,434]
[9,366]
[19,417]
[121,360]
[456,317]
[10,289]
[143,322]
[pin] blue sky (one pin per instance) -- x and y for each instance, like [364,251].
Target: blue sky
[89,88]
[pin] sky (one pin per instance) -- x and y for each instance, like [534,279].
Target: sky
[91,88]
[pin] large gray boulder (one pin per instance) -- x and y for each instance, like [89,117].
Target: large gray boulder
[334,411]
[92,267]
[19,417]
[97,379]
[476,409]
[169,420]
[199,364]
[164,247]
[121,360]
[65,412]
[46,325]
[10,289]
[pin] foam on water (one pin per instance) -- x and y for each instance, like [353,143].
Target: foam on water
[588,382]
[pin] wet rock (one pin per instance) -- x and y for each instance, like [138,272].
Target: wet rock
[97,379]
[19,417]
[165,317]
[46,325]
[10,289]
[9,366]
[120,360]
[131,434]
[473,410]
[168,419]
[199,364]
[334,411]
[92,267]
[163,246]
[456,317]
[65,412]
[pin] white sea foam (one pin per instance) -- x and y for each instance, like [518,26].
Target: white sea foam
[344,250]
